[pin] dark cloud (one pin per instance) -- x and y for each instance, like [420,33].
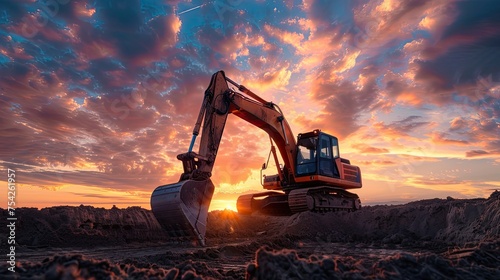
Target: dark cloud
[474,19]
[443,138]
[408,124]
[13,9]
[494,145]
[120,16]
[462,65]
[16,71]
[402,128]
[493,150]
[476,153]
[326,12]
[467,52]
[344,102]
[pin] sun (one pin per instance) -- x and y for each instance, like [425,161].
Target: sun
[230,207]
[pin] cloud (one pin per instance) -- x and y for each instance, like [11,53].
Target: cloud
[436,182]
[322,13]
[286,37]
[274,78]
[238,156]
[408,124]
[344,102]
[401,128]
[458,123]
[376,162]
[443,139]
[476,153]
[364,148]
[465,52]
[482,153]
[412,158]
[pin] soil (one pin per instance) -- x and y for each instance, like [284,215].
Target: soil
[428,239]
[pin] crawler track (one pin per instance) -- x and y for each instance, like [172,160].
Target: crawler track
[322,199]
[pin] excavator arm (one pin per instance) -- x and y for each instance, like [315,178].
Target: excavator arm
[182,208]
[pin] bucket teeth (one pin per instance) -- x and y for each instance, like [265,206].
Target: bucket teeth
[182,209]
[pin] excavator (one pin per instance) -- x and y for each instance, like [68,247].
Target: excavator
[312,176]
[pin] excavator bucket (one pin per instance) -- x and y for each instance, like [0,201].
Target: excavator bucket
[182,208]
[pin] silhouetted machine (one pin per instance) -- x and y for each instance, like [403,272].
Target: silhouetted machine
[313,176]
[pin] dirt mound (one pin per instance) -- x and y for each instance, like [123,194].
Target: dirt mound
[481,263]
[64,226]
[415,240]
[450,221]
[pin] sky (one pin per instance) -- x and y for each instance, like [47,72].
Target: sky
[98,97]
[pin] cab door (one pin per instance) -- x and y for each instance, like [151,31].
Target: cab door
[328,151]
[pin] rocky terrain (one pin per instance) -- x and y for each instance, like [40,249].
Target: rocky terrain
[428,239]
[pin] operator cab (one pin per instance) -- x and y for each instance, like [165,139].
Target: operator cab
[318,163]
[316,154]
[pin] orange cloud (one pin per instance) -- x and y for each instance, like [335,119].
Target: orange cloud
[364,148]
[376,162]
[277,78]
[284,36]
[442,139]
[457,123]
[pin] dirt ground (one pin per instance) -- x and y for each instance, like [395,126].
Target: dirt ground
[428,239]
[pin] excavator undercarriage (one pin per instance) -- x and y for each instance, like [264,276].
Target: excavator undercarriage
[315,199]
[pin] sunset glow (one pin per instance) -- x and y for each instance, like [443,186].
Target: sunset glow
[98,97]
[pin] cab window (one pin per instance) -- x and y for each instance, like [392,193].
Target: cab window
[306,155]
[325,147]
[335,147]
